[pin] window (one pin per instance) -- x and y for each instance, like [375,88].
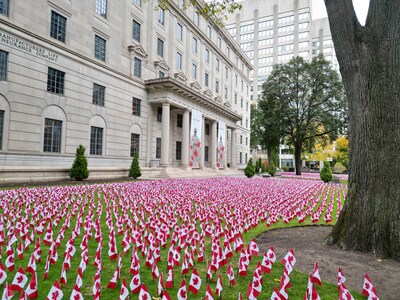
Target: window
[247,140]
[241,139]
[240,157]
[219,42]
[247,122]
[52,136]
[160,47]
[136,31]
[161,16]
[136,105]
[137,67]
[196,18]
[178,61]
[55,81]
[245,155]
[207,56]
[101,8]
[206,79]
[205,153]
[226,73]
[179,32]
[135,143]
[158,148]
[235,98]
[226,93]
[241,102]
[207,129]
[1,128]
[194,71]
[179,120]
[58,26]
[247,105]
[98,94]
[216,86]
[217,64]
[3,65]
[159,114]
[96,140]
[178,155]
[161,74]
[209,31]
[99,48]
[4,7]
[194,45]
[236,80]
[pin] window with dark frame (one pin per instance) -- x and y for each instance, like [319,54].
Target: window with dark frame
[160,47]
[98,94]
[96,140]
[136,106]
[241,139]
[159,114]
[179,120]
[206,153]
[58,26]
[55,81]
[207,55]
[4,7]
[136,30]
[1,128]
[194,45]
[240,157]
[206,79]
[194,71]
[161,74]
[135,143]
[99,48]
[3,65]
[178,155]
[161,15]
[101,8]
[179,32]
[178,61]
[52,136]
[137,67]
[217,86]
[207,129]
[158,148]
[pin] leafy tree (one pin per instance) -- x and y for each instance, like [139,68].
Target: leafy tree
[306,100]
[272,169]
[250,170]
[134,170]
[342,151]
[369,59]
[79,170]
[326,172]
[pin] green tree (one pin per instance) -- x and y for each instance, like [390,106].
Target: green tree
[326,172]
[79,170]
[369,58]
[306,100]
[250,170]
[134,170]
[272,169]
[341,154]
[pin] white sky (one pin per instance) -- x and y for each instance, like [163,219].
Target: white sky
[361,7]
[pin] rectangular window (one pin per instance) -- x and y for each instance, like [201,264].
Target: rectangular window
[179,120]
[52,136]
[161,74]
[135,140]
[196,18]
[160,47]
[217,64]
[137,67]
[217,86]
[207,129]
[241,103]
[161,16]
[1,128]
[194,71]
[247,105]
[235,98]
[96,140]
[101,8]
[241,139]
[99,48]
[226,93]
[179,32]
[3,65]
[58,26]
[159,114]
[240,157]
[247,140]
[194,45]
[4,5]
[98,94]
[206,79]
[209,31]
[178,61]
[136,106]
[158,148]
[245,155]
[178,155]
[207,56]
[55,81]
[136,30]
[206,153]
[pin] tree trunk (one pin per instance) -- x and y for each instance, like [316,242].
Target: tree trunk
[369,58]
[298,146]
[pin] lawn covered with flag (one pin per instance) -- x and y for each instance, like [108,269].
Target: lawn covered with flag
[183,239]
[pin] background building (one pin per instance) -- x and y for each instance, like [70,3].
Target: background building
[116,77]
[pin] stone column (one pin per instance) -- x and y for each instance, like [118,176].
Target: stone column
[203,142]
[213,147]
[149,144]
[165,135]
[185,139]
[233,148]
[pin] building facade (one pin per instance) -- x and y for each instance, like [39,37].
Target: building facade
[118,77]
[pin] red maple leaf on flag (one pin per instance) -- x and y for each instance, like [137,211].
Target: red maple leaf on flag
[256,283]
[195,281]
[54,295]
[183,294]
[77,297]
[144,297]
[20,279]
[135,281]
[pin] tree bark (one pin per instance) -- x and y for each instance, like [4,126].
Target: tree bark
[369,58]
[298,146]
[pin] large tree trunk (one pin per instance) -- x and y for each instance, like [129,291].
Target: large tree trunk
[369,58]
[298,147]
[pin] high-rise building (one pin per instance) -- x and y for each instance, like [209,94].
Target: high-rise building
[118,77]
[273,31]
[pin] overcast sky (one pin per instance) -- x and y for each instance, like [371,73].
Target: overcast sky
[361,7]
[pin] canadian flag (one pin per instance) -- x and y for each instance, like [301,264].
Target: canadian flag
[3,273]
[96,286]
[209,295]
[341,278]
[78,281]
[32,289]
[20,279]
[10,262]
[144,294]
[113,282]
[31,268]
[284,285]
[254,248]
[20,251]
[182,294]
[275,294]
[166,296]
[209,272]
[315,276]
[231,275]
[218,289]
[368,289]
[195,282]
[169,284]
[154,270]
[76,293]
[185,268]
[124,293]
[63,278]
[55,292]
[344,293]
[288,261]
[311,293]
[135,285]
[7,293]
[160,286]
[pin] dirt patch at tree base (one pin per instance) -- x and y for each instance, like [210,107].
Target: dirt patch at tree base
[307,243]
